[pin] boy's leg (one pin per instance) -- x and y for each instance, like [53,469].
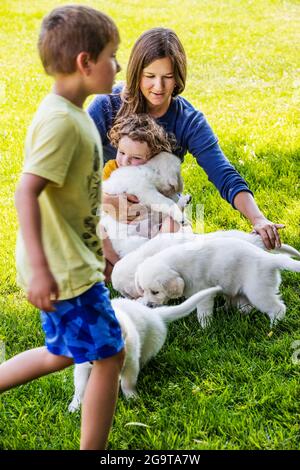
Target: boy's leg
[99,402]
[30,365]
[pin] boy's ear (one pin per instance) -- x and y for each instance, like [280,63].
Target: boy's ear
[83,63]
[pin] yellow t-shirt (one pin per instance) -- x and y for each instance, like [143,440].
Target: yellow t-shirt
[63,146]
[109,167]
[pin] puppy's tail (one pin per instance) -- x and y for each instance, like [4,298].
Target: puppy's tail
[256,240]
[169,314]
[284,262]
[287,250]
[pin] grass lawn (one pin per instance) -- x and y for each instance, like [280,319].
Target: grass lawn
[234,385]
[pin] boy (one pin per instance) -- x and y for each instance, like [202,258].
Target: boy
[59,256]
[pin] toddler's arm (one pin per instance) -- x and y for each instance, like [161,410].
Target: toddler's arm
[42,286]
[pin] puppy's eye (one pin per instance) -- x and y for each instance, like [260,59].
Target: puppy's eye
[154,292]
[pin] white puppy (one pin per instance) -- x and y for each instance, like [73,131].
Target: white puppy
[156,184]
[123,275]
[144,331]
[240,268]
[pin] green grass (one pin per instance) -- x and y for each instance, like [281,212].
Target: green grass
[232,386]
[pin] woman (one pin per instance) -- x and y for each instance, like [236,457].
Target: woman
[156,76]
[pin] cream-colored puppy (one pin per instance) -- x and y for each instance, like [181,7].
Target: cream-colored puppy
[241,269]
[144,331]
[155,184]
[123,275]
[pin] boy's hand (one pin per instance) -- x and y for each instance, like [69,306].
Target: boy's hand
[43,290]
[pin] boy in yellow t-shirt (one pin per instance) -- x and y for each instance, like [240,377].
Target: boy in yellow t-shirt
[59,256]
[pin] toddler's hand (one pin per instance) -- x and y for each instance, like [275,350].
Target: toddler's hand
[132,198]
[131,211]
[43,289]
[125,208]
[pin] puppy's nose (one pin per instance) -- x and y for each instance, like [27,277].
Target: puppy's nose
[151,304]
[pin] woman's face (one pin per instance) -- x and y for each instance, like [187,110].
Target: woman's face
[157,85]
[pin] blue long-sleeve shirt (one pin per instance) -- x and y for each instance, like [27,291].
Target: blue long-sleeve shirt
[193,134]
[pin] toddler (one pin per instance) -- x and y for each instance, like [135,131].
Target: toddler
[138,138]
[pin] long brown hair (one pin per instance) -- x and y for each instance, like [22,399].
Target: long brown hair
[156,43]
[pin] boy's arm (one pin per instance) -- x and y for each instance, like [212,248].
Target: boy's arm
[42,285]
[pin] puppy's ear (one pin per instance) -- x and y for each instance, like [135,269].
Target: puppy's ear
[137,285]
[174,287]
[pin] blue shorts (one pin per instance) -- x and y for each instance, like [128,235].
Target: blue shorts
[84,328]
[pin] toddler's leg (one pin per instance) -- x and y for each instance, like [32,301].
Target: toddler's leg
[30,365]
[99,402]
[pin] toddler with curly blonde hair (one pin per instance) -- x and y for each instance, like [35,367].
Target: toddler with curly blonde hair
[138,138]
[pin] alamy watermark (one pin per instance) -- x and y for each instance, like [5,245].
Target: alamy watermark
[149,221]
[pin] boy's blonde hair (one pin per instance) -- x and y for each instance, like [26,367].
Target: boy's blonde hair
[142,128]
[69,30]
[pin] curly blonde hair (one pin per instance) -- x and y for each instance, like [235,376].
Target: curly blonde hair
[142,128]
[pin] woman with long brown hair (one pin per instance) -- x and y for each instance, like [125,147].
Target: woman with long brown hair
[156,76]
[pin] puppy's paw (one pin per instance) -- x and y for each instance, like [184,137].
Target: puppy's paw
[74,405]
[187,199]
[130,394]
[245,309]
[204,320]
[184,200]
[279,315]
[176,214]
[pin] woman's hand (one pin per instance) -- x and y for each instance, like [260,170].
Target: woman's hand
[125,208]
[268,232]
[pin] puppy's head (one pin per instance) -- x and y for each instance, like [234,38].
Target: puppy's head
[167,167]
[158,283]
